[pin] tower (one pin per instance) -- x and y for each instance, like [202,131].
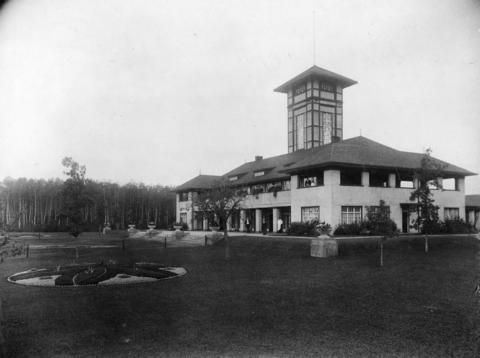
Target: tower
[315,107]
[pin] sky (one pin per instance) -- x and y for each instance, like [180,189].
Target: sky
[160,91]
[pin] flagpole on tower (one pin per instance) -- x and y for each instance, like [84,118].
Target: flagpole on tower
[314,40]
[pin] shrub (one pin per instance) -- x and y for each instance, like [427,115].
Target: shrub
[377,228]
[308,228]
[350,229]
[433,227]
[457,226]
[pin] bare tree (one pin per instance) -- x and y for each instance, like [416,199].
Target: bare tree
[218,204]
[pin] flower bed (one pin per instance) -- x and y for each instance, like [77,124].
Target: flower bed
[96,274]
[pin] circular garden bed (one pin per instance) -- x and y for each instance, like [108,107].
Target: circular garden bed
[96,274]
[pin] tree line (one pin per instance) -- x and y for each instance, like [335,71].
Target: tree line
[39,205]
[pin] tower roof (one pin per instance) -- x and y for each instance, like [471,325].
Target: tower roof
[316,71]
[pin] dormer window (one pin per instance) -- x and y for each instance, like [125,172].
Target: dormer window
[259,173]
[233,178]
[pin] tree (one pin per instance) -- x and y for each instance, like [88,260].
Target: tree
[427,176]
[74,195]
[218,204]
[379,223]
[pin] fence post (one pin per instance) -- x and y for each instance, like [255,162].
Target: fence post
[3,348]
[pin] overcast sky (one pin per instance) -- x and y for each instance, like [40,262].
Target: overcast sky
[159,91]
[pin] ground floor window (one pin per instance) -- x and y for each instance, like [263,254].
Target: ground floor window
[183,218]
[451,213]
[351,214]
[310,213]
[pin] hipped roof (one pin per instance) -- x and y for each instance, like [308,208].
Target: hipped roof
[316,71]
[354,152]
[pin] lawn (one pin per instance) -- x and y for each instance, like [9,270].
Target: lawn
[271,299]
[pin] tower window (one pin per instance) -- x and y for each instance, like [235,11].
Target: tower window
[300,89]
[326,87]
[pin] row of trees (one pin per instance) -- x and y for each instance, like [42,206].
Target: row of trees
[56,205]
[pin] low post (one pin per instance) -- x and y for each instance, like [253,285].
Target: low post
[3,348]
[27,251]
[165,242]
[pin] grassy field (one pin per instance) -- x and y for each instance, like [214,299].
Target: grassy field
[271,299]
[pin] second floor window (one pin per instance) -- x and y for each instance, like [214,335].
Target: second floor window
[309,180]
[183,197]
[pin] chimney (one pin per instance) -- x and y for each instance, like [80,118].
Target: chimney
[258,157]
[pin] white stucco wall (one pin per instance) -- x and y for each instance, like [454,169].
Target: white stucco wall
[331,196]
[184,207]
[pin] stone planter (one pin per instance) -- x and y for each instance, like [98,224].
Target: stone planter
[131,230]
[323,246]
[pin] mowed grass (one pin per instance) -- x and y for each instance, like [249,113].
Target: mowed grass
[271,299]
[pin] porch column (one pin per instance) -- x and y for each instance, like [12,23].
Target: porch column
[205,224]
[258,220]
[471,216]
[229,223]
[460,184]
[416,183]
[276,215]
[243,216]
[440,182]
[392,180]
[365,179]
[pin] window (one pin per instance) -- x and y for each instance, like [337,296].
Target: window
[285,184]
[309,180]
[433,184]
[259,174]
[351,177]
[404,180]
[448,184]
[300,131]
[183,218]
[326,122]
[451,213]
[351,214]
[233,178]
[300,89]
[379,179]
[326,87]
[327,95]
[257,189]
[310,213]
[300,93]
[183,197]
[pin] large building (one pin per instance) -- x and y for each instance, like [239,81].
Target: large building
[324,177]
